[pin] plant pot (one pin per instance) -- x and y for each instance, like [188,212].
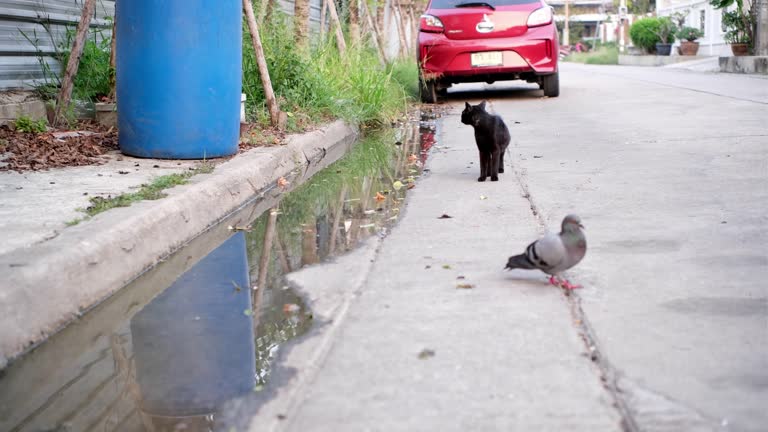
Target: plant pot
[663,49]
[689,48]
[740,49]
[106,113]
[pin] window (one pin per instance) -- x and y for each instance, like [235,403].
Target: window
[702,20]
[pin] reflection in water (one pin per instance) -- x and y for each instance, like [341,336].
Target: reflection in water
[194,344]
[210,336]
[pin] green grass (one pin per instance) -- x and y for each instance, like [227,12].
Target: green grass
[26,124]
[151,191]
[602,55]
[317,84]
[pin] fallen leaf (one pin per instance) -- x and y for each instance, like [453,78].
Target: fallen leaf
[483,197]
[397,185]
[426,353]
[464,286]
[282,182]
[412,158]
[248,312]
[290,308]
[380,197]
[446,266]
[411,185]
[445,216]
[460,277]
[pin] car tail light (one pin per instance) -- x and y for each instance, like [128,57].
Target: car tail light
[540,17]
[431,24]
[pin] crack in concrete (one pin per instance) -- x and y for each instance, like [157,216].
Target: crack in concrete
[609,377]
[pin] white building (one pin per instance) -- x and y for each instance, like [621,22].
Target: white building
[703,16]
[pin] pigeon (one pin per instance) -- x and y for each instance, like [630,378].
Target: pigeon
[555,253]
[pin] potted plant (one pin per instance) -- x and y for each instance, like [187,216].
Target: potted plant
[666,34]
[687,36]
[739,25]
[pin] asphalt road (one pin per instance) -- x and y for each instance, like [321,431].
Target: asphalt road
[668,170]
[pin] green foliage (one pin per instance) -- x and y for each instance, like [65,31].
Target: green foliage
[740,23]
[317,84]
[93,72]
[406,73]
[638,7]
[607,54]
[666,30]
[26,124]
[689,33]
[647,32]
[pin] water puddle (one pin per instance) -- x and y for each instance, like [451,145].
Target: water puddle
[203,329]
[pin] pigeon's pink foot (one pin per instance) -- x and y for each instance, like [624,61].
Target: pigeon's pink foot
[569,286]
[553,280]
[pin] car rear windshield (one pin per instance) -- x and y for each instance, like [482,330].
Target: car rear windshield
[450,4]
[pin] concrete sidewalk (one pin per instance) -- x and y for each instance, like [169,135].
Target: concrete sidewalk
[53,272]
[404,347]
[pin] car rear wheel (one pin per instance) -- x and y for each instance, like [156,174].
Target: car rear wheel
[551,85]
[428,91]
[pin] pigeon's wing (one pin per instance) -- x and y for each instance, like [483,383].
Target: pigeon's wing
[547,252]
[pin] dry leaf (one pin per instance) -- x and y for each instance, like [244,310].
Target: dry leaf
[397,185]
[426,353]
[483,197]
[412,158]
[282,182]
[464,286]
[380,197]
[290,308]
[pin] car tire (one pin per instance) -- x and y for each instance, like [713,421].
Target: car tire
[551,84]
[428,91]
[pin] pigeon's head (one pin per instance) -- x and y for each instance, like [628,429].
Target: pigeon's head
[572,223]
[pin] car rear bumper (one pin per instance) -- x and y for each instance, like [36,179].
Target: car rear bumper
[536,52]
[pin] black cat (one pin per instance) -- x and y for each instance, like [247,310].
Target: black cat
[492,138]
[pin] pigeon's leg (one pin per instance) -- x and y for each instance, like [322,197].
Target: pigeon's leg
[569,286]
[501,161]
[554,281]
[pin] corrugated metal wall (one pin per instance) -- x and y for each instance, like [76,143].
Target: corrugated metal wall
[31,26]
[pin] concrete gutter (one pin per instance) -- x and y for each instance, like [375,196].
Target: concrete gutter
[46,286]
[655,60]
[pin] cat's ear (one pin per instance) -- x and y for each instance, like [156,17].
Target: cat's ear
[482,105]
[468,106]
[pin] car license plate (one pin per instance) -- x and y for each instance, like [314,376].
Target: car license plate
[489,58]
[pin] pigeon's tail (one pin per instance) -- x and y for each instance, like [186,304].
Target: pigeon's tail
[519,261]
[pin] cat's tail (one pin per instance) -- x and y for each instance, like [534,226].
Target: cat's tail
[519,262]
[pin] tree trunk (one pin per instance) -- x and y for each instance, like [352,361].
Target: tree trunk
[301,22]
[376,35]
[261,61]
[354,22]
[65,94]
[342,44]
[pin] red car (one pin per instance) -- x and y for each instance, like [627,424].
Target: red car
[486,41]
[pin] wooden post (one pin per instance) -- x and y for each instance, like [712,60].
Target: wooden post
[65,94]
[323,9]
[266,253]
[274,110]
[375,30]
[337,24]
[112,61]
[395,5]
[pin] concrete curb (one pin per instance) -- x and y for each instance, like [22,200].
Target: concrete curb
[46,286]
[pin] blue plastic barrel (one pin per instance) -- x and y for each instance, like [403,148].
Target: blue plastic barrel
[179,77]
